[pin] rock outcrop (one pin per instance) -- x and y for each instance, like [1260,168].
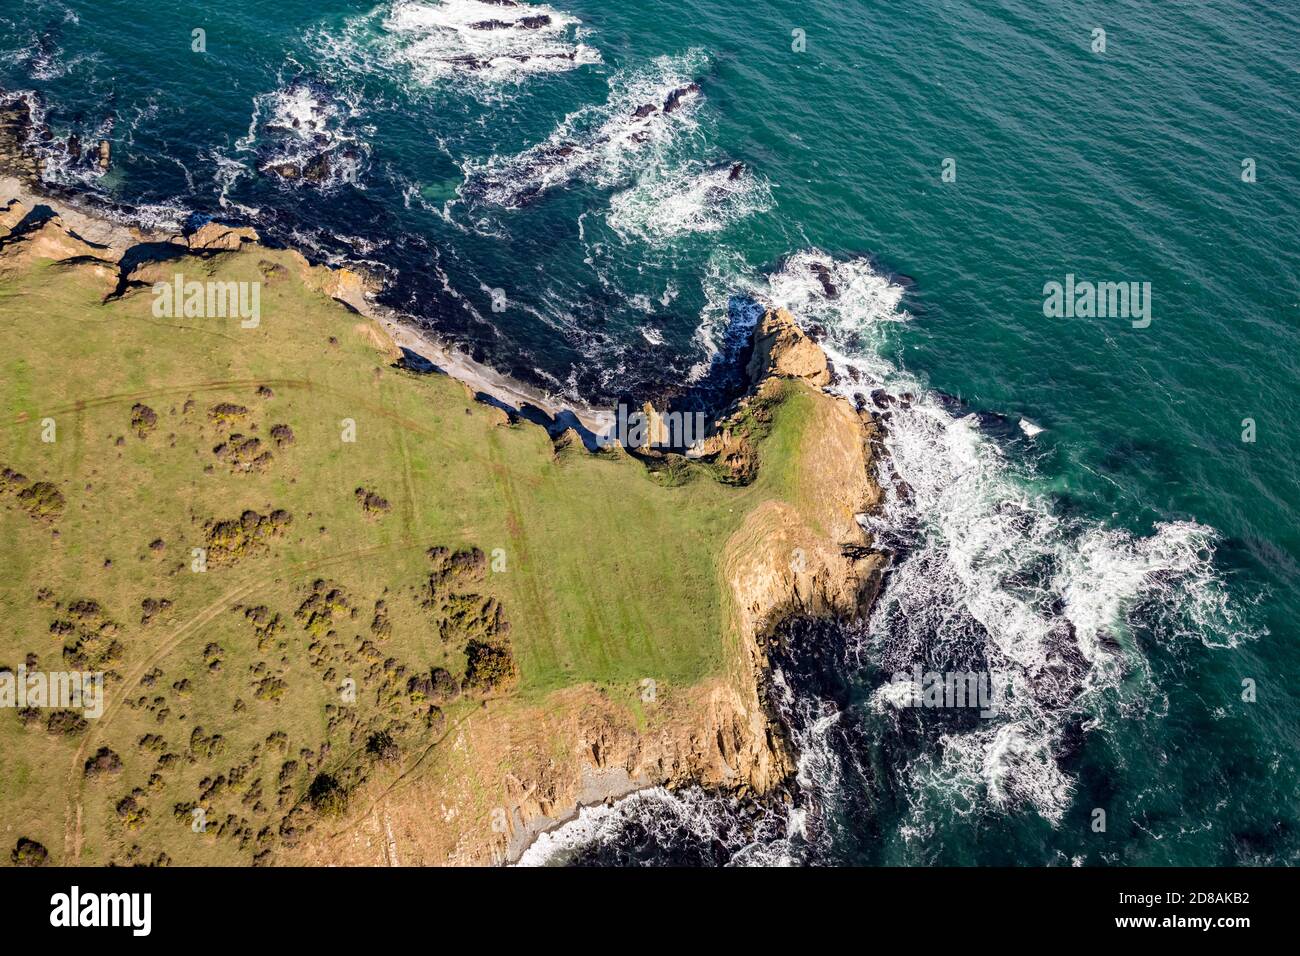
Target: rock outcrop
[26,237]
[806,552]
[33,230]
[25,143]
[13,212]
[781,348]
[215,237]
[17,158]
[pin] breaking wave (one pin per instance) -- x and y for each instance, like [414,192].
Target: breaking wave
[303,133]
[609,145]
[38,49]
[707,831]
[989,575]
[681,201]
[68,162]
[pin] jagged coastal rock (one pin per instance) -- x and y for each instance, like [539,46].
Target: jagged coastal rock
[781,348]
[16,157]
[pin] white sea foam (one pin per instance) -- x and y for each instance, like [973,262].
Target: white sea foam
[591,825]
[989,575]
[47,61]
[310,123]
[476,45]
[1002,767]
[724,277]
[679,201]
[610,145]
[300,127]
[706,819]
[58,163]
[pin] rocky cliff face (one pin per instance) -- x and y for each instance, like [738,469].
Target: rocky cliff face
[782,349]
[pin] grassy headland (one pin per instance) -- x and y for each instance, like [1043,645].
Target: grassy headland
[349,613]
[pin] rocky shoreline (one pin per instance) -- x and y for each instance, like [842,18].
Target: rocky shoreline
[108,224]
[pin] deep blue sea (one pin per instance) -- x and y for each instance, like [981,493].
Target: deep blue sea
[1098,505]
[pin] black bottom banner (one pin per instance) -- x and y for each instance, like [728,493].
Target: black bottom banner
[341,906]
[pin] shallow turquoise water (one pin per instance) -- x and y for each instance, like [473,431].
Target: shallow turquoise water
[1117,166]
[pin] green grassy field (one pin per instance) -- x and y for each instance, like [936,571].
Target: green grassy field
[589,568]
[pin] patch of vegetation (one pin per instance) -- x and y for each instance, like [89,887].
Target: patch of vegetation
[230,540]
[380,625]
[152,743]
[66,723]
[327,796]
[372,503]
[131,812]
[103,763]
[269,687]
[489,666]
[671,470]
[243,454]
[227,413]
[734,458]
[151,607]
[282,435]
[320,608]
[206,746]
[445,688]
[89,636]
[267,625]
[212,656]
[41,500]
[28,852]
[381,746]
[12,482]
[143,419]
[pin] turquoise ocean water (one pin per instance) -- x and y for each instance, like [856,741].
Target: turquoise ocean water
[1072,502]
